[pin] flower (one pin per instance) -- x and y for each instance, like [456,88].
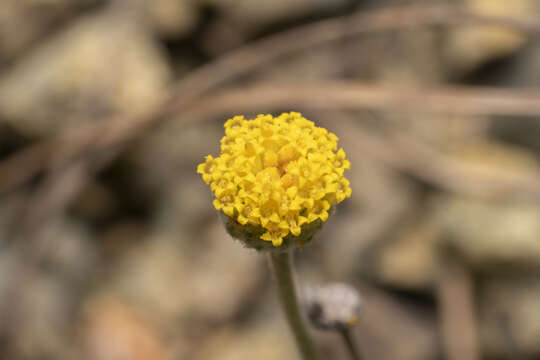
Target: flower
[333,306]
[277,174]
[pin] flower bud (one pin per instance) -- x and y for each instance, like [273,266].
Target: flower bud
[334,306]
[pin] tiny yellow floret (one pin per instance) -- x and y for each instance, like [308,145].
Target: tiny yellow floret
[277,172]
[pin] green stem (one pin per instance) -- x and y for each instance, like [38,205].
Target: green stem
[283,273]
[350,344]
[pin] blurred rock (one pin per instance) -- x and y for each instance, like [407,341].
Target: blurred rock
[69,252]
[22,22]
[266,339]
[42,319]
[172,18]
[100,65]
[206,276]
[468,47]
[113,330]
[492,237]
[409,260]
[513,165]
[41,297]
[510,316]
[390,329]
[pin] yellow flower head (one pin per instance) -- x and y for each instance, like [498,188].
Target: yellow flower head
[277,173]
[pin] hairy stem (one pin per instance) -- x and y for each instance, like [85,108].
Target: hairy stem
[283,273]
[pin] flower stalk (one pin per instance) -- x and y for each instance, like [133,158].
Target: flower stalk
[275,182]
[335,307]
[348,340]
[283,273]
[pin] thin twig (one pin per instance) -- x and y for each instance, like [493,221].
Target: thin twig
[355,95]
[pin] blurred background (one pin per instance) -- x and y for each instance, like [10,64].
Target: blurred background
[109,245]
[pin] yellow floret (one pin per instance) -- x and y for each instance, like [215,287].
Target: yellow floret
[278,173]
